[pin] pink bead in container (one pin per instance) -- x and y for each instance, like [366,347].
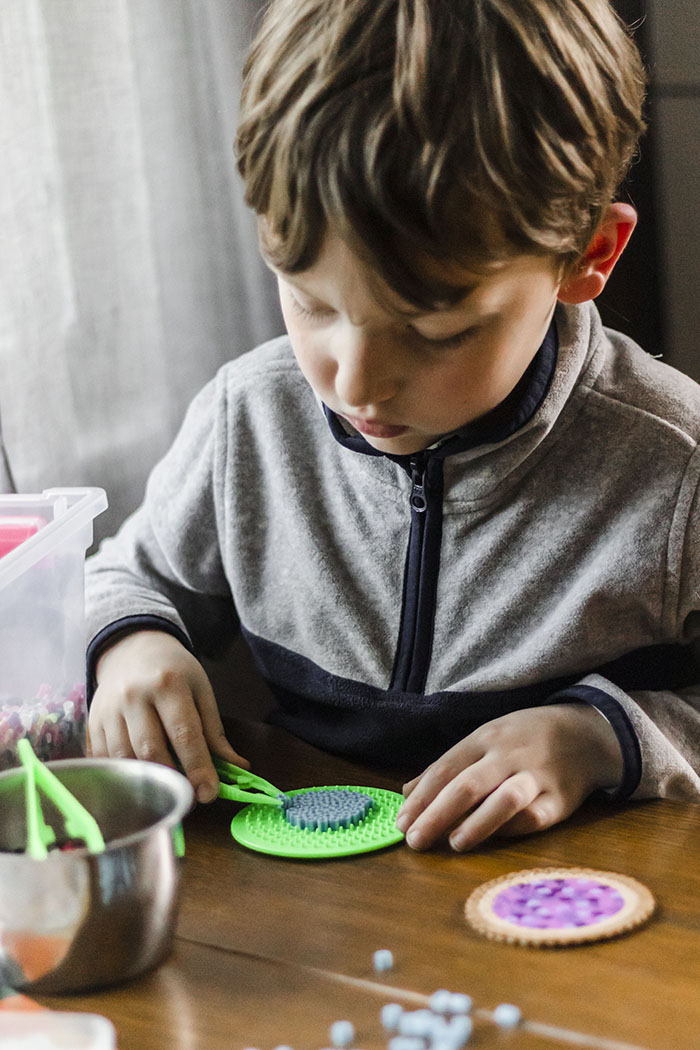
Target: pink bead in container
[43,540]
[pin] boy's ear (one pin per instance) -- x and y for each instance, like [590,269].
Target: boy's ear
[589,276]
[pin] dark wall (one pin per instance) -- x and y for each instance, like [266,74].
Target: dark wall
[632,300]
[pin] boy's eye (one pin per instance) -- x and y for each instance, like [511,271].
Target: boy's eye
[450,341]
[314,313]
[321,313]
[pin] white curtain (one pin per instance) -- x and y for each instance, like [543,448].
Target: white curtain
[128,262]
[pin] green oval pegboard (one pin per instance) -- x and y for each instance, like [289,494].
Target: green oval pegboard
[265,829]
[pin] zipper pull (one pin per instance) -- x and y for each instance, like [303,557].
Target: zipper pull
[418,498]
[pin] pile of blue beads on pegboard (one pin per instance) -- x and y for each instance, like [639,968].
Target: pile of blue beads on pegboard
[326,810]
[342,821]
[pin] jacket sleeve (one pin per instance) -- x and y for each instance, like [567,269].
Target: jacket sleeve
[658,733]
[659,729]
[164,567]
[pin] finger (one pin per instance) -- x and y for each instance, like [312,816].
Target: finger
[148,736]
[117,738]
[213,728]
[183,727]
[424,789]
[96,742]
[501,806]
[545,811]
[462,794]
[412,784]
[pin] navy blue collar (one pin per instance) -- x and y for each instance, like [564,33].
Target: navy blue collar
[510,415]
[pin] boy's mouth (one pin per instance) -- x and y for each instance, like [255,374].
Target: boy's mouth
[375,429]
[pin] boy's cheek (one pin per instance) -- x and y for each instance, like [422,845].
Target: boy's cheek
[315,366]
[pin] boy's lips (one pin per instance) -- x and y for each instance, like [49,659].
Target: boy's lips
[373,428]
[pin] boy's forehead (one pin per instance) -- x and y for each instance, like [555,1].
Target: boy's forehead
[339,269]
[338,272]
[320,284]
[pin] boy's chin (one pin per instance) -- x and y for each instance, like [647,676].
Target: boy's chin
[406,445]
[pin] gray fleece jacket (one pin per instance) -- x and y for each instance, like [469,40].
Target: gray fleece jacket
[550,551]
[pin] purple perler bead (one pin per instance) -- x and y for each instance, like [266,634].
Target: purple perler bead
[557,903]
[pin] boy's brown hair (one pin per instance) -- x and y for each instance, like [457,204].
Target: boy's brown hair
[436,130]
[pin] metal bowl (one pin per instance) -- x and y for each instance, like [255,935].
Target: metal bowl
[80,920]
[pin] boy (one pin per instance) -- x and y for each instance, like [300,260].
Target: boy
[452,515]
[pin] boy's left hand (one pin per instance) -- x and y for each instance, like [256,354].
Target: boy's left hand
[519,773]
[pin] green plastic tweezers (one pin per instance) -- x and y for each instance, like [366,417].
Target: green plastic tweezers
[79,824]
[239,785]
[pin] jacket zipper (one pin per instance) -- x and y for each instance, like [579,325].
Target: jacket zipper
[417,498]
[414,647]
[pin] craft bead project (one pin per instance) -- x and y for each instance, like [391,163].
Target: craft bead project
[335,820]
[442,1025]
[558,906]
[266,830]
[324,810]
[432,1029]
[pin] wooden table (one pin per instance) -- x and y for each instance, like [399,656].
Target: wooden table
[271,951]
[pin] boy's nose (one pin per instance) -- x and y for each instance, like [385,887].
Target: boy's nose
[366,370]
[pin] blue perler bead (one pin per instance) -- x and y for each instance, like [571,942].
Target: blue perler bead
[449,1042]
[342,1033]
[507,1016]
[439,1001]
[459,1003]
[382,960]
[459,1030]
[417,1023]
[390,1015]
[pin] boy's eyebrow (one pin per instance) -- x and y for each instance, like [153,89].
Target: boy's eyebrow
[452,297]
[455,298]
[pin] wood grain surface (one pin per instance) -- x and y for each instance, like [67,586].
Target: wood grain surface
[270,951]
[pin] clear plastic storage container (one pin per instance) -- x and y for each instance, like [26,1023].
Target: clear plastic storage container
[51,1030]
[43,540]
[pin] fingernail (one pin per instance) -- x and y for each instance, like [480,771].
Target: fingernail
[205,793]
[402,822]
[415,840]
[457,843]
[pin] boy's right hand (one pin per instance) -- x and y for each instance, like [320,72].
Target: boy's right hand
[154,700]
